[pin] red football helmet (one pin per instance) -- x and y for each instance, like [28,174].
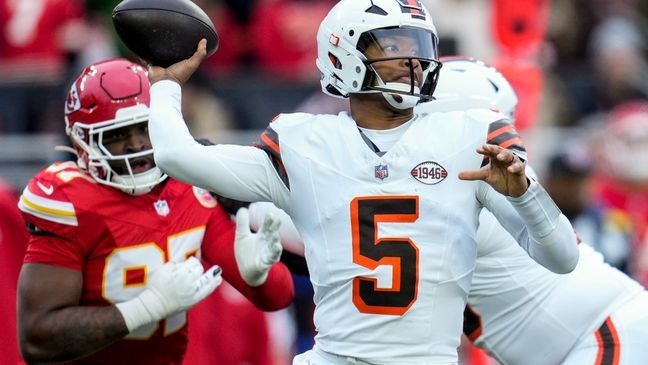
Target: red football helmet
[625,142]
[106,96]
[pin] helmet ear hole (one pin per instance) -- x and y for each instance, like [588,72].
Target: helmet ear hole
[335,61]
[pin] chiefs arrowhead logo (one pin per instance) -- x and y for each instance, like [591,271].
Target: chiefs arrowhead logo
[429,173]
[72,103]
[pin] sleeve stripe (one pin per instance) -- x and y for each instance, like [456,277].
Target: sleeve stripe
[63,216]
[46,210]
[511,142]
[499,131]
[472,325]
[503,134]
[270,143]
[57,207]
[504,138]
[498,124]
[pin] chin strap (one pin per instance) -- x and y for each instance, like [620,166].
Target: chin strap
[398,100]
[141,183]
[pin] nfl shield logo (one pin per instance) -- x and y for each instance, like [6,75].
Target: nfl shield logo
[381,172]
[162,208]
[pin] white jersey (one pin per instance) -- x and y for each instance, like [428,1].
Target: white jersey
[523,314]
[389,238]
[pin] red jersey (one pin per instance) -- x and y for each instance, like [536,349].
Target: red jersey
[614,195]
[116,240]
[13,242]
[226,318]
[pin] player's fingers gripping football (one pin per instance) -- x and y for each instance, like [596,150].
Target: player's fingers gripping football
[256,252]
[181,71]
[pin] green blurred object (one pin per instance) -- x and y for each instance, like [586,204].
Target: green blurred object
[102,11]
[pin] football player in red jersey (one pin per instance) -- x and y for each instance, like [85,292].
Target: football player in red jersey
[111,266]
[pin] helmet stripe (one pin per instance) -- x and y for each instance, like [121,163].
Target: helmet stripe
[412,7]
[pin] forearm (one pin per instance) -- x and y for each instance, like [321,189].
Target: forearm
[551,239]
[70,333]
[538,226]
[276,293]
[558,250]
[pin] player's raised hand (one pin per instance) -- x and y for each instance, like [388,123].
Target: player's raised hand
[173,288]
[505,172]
[179,72]
[256,252]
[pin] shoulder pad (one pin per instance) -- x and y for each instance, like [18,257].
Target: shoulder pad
[284,119]
[45,195]
[486,115]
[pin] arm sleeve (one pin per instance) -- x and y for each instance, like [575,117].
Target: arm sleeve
[218,249]
[238,172]
[537,224]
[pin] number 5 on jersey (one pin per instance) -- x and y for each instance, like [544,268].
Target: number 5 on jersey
[371,251]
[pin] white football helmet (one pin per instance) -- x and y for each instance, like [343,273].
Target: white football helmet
[106,96]
[466,83]
[352,26]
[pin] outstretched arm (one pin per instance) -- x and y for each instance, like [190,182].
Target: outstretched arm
[239,172]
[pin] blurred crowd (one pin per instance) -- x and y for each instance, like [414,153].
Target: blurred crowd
[574,60]
[580,68]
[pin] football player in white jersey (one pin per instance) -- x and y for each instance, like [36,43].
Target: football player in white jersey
[387,201]
[518,311]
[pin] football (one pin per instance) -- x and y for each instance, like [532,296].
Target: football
[163,32]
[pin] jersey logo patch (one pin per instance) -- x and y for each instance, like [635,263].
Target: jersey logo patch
[46,189]
[162,208]
[429,173]
[381,172]
[204,198]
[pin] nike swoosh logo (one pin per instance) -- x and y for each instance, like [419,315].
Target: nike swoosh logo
[46,189]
